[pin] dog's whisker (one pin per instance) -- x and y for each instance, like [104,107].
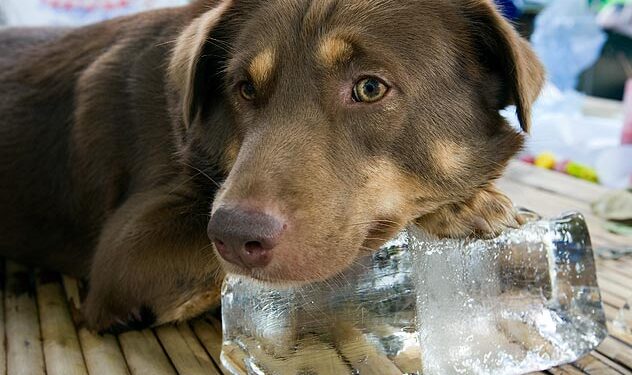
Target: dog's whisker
[178,186]
[225,46]
[203,174]
[172,41]
[377,239]
[385,223]
[206,247]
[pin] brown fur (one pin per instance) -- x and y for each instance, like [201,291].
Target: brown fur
[120,139]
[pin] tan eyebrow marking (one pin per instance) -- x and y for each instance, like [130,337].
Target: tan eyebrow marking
[450,157]
[262,67]
[334,50]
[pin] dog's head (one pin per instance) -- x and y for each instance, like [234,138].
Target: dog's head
[337,122]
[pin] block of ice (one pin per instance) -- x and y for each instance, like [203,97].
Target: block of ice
[522,302]
[525,301]
[363,319]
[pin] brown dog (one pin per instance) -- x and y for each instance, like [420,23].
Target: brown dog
[308,132]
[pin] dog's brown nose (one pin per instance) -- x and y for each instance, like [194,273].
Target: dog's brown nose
[245,237]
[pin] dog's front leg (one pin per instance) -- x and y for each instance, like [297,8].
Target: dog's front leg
[487,213]
[153,264]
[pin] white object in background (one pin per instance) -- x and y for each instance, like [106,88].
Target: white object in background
[626,137]
[623,321]
[614,167]
[566,124]
[74,12]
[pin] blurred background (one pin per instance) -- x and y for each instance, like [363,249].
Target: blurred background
[582,123]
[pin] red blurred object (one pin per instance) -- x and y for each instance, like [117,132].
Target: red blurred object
[87,4]
[626,137]
[562,166]
[528,159]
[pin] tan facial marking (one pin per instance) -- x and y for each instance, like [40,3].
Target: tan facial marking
[262,67]
[449,156]
[333,51]
[385,184]
[230,154]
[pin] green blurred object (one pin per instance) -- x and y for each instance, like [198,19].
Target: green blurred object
[618,228]
[581,171]
[602,3]
[534,6]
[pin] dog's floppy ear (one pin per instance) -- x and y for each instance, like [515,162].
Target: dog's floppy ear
[508,56]
[188,56]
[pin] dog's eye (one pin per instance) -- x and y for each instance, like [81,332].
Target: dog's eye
[248,90]
[369,90]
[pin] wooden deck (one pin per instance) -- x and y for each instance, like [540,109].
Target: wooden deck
[41,338]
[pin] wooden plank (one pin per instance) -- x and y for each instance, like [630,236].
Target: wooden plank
[615,273]
[61,345]
[186,353]
[552,205]
[619,267]
[624,282]
[625,338]
[72,290]
[606,284]
[597,364]
[24,349]
[211,339]
[566,370]
[196,346]
[610,299]
[547,203]
[622,264]
[554,182]
[3,352]
[611,311]
[102,354]
[144,354]
[616,351]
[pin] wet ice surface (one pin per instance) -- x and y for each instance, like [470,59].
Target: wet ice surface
[362,321]
[623,321]
[525,301]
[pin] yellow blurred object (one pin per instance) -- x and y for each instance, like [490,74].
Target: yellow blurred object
[545,160]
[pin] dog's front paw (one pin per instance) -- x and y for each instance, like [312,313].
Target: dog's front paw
[486,214]
[102,317]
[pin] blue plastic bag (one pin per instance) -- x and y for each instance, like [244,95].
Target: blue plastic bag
[510,8]
[568,40]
